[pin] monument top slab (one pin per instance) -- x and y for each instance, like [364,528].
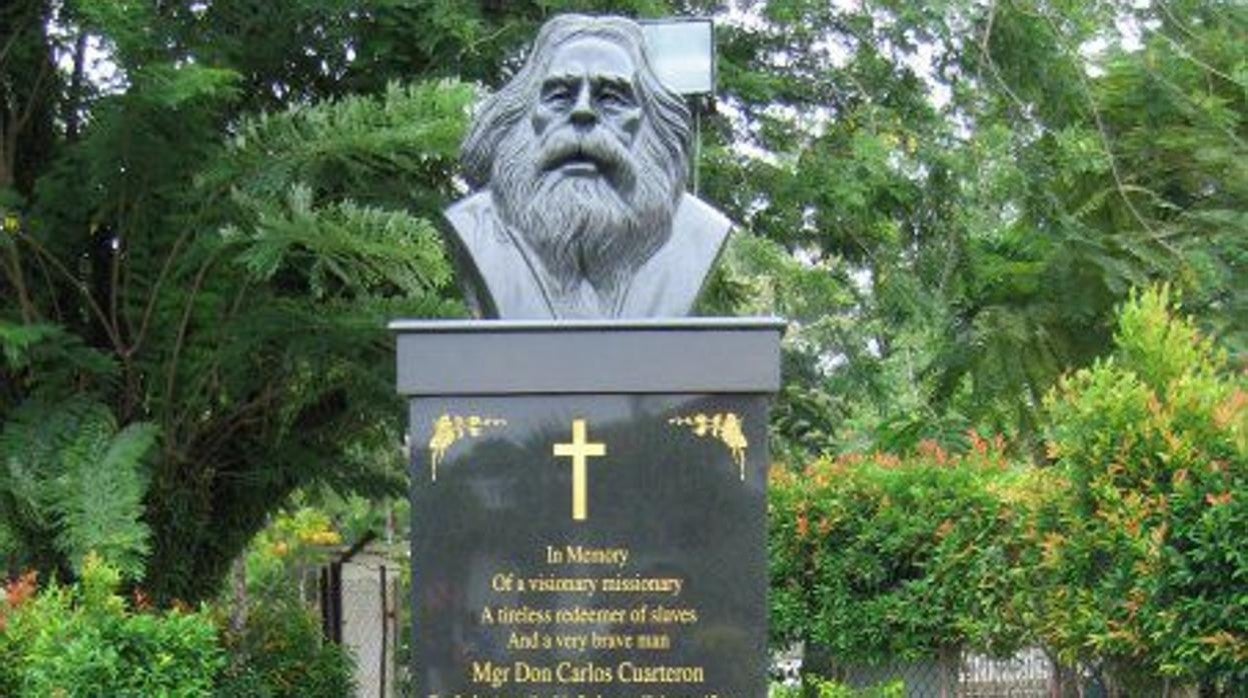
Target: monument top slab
[494,357]
[607,325]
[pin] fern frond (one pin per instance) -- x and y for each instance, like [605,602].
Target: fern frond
[31,442]
[67,475]
[16,341]
[99,500]
[50,350]
[387,146]
[339,248]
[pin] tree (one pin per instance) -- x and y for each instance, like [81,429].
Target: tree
[987,184]
[219,278]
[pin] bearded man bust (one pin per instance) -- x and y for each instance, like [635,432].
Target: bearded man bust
[579,166]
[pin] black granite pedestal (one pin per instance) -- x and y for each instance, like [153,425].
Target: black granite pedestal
[588,506]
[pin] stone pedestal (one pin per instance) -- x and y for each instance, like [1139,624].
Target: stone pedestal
[589,510]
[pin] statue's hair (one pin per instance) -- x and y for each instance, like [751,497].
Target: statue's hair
[666,112]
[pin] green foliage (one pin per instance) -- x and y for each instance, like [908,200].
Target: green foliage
[99,498]
[989,181]
[283,655]
[281,651]
[302,362]
[816,687]
[875,558]
[1142,560]
[81,640]
[295,543]
[1127,554]
[257,348]
[41,357]
[388,149]
[212,250]
[69,476]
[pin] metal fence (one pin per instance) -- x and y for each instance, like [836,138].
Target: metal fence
[1031,673]
[360,602]
[1028,674]
[952,674]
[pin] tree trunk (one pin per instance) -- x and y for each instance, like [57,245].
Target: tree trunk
[27,130]
[238,607]
[73,104]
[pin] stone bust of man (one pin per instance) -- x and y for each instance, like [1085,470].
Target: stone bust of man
[578,167]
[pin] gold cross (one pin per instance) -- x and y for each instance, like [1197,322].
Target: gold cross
[579,450]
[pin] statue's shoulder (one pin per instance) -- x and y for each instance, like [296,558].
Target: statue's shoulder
[492,269]
[468,221]
[473,219]
[669,283]
[700,225]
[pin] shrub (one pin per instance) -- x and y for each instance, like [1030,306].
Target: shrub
[1144,561]
[875,558]
[281,654]
[816,687]
[81,640]
[281,651]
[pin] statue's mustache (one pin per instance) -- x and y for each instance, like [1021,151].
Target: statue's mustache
[565,145]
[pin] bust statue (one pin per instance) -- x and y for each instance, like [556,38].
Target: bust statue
[578,167]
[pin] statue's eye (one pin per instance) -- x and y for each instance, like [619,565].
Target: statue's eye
[614,97]
[557,95]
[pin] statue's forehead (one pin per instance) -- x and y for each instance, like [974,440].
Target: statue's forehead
[593,56]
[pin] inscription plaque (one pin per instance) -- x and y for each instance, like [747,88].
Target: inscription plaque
[576,535]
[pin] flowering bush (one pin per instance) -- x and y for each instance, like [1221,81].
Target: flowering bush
[63,640]
[1146,558]
[877,557]
[1130,553]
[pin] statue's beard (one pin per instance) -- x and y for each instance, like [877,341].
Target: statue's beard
[599,227]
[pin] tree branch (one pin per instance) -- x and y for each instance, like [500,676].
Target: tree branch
[77,283]
[44,71]
[18,281]
[150,307]
[1101,131]
[171,374]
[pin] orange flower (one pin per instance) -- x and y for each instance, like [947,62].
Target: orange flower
[21,589]
[1217,500]
[930,449]
[1228,412]
[978,444]
[803,525]
[142,602]
[887,460]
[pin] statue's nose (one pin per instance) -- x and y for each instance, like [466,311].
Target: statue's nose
[583,109]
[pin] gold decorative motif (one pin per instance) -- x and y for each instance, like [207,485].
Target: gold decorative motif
[448,429]
[725,426]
